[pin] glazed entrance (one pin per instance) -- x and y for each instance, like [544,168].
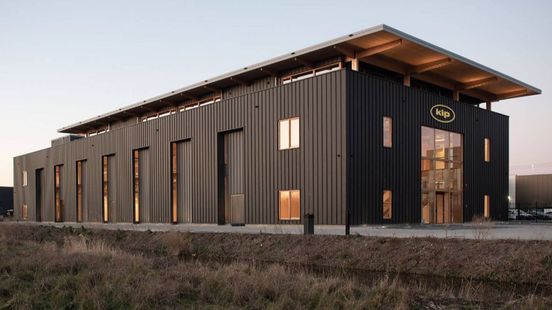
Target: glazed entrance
[442,172]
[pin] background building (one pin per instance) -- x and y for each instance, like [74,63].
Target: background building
[377,126]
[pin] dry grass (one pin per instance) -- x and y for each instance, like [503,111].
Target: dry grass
[67,268]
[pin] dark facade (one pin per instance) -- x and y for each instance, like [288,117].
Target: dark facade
[211,152]
[6,199]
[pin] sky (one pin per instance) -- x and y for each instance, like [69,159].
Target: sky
[65,61]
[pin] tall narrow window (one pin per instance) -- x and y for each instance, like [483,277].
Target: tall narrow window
[290,205]
[289,133]
[57,194]
[487,150]
[136,184]
[487,206]
[79,190]
[387,204]
[105,188]
[387,131]
[25,212]
[24,178]
[174,182]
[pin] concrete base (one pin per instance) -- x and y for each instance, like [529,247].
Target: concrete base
[495,230]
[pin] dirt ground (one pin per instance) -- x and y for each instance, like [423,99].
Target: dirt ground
[48,267]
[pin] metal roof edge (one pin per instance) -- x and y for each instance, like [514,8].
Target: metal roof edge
[341,39]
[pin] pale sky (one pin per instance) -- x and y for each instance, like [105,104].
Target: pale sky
[65,61]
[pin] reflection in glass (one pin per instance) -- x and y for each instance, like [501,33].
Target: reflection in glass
[387,204]
[441,176]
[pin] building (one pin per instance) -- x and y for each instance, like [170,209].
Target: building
[376,126]
[6,199]
[532,191]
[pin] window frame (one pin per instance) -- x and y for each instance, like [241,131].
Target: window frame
[390,140]
[289,193]
[58,202]
[174,181]
[289,133]
[390,204]
[487,206]
[105,188]
[487,149]
[136,186]
[79,184]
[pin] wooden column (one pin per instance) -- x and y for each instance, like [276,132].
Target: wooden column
[354,64]
[489,106]
[406,80]
[455,95]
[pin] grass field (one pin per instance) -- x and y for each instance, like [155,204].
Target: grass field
[46,267]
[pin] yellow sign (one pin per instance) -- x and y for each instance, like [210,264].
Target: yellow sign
[442,113]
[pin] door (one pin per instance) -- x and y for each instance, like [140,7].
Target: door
[231,178]
[39,198]
[111,189]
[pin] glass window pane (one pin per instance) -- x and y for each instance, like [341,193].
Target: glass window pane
[295,205]
[284,205]
[487,206]
[284,134]
[387,204]
[455,152]
[441,143]
[428,142]
[487,150]
[294,135]
[387,132]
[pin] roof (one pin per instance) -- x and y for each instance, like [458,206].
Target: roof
[381,46]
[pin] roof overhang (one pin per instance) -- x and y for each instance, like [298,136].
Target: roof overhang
[381,46]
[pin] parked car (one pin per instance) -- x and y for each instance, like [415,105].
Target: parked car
[539,215]
[518,214]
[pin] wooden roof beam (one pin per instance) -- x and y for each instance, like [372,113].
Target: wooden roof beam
[430,65]
[269,72]
[305,63]
[378,49]
[240,81]
[477,83]
[511,94]
[345,51]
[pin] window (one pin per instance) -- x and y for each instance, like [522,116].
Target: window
[24,178]
[290,205]
[79,190]
[174,182]
[387,131]
[105,188]
[24,212]
[487,206]
[136,184]
[289,133]
[487,150]
[387,204]
[57,193]
[310,73]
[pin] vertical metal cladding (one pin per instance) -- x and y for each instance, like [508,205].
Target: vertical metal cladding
[317,168]
[373,168]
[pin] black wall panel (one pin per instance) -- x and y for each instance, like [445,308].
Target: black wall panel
[372,168]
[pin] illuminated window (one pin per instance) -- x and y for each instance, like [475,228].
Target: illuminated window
[24,212]
[487,150]
[24,177]
[290,205]
[105,188]
[136,184]
[79,190]
[57,193]
[387,131]
[174,182]
[289,133]
[387,204]
[487,206]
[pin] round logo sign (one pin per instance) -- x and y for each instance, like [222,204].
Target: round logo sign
[442,113]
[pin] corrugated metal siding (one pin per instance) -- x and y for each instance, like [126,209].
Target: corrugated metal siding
[372,168]
[531,189]
[317,167]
